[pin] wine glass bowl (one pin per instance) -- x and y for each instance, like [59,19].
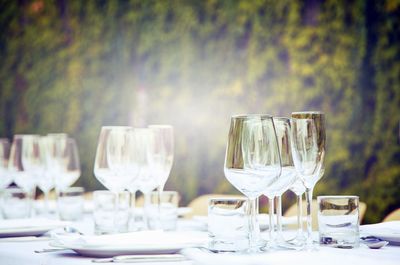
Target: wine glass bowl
[252,162]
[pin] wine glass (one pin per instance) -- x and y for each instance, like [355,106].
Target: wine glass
[308,143]
[5,178]
[113,161]
[26,163]
[161,155]
[288,174]
[145,181]
[252,162]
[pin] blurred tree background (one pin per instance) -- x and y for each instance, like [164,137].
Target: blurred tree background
[73,66]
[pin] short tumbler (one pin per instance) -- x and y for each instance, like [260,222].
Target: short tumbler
[16,204]
[338,221]
[109,219]
[228,224]
[70,204]
[166,216]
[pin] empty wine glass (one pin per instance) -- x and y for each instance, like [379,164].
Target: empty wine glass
[161,155]
[26,163]
[288,174]
[113,161]
[5,177]
[308,143]
[252,162]
[145,181]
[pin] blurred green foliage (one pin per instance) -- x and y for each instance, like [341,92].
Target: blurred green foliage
[73,66]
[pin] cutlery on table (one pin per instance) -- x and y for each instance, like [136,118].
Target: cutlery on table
[374,242]
[47,250]
[141,258]
[24,238]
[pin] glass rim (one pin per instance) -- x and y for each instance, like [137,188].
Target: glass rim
[14,189]
[16,136]
[116,127]
[251,115]
[73,189]
[281,118]
[308,112]
[155,126]
[238,198]
[338,197]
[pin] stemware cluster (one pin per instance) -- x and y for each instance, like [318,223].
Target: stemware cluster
[47,162]
[134,159]
[270,155]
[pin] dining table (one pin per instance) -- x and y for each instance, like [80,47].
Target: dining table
[26,250]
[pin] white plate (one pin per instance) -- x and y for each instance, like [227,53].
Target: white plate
[111,251]
[27,227]
[144,242]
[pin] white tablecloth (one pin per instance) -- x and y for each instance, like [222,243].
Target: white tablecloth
[22,253]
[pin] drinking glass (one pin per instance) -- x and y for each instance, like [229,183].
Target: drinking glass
[252,162]
[161,155]
[308,141]
[288,173]
[113,160]
[72,167]
[26,163]
[147,180]
[5,178]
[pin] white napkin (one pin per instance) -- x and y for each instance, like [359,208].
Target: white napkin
[326,256]
[9,224]
[142,238]
[389,231]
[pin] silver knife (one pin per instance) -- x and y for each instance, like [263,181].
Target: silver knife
[141,258]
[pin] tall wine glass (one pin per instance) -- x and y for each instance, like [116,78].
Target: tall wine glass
[252,162]
[112,161]
[26,163]
[161,155]
[308,134]
[145,181]
[5,177]
[288,174]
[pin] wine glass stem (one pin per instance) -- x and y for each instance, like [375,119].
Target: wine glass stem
[115,219]
[253,230]
[46,202]
[159,194]
[271,220]
[309,193]
[299,215]
[146,211]
[279,216]
[31,196]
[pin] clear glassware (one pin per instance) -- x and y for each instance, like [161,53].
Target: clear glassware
[161,156]
[5,177]
[73,167]
[252,162]
[113,160]
[26,163]
[288,173]
[145,181]
[308,143]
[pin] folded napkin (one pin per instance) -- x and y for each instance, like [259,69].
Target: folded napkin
[142,238]
[9,224]
[389,231]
